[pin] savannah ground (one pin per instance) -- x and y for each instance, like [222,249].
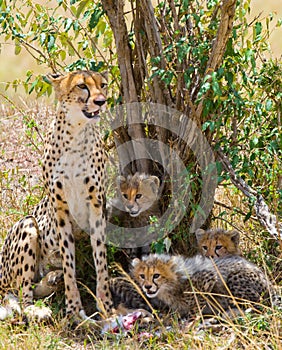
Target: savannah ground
[23,123]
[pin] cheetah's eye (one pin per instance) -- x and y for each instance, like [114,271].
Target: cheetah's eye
[218,247]
[156,275]
[142,276]
[205,247]
[125,195]
[138,196]
[103,85]
[82,86]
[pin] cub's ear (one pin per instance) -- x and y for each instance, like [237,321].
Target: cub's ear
[156,180]
[199,234]
[120,180]
[105,74]
[135,262]
[234,235]
[153,182]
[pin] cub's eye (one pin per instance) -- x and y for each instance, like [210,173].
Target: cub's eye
[125,195]
[142,276]
[103,85]
[218,247]
[205,247]
[82,86]
[138,196]
[156,275]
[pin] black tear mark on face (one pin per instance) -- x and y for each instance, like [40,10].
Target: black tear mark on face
[84,87]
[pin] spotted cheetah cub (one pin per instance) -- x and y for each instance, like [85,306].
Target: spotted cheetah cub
[216,243]
[180,283]
[136,201]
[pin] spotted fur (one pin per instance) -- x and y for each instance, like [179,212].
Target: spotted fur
[137,201]
[188,285]
[74,178]
[216,243]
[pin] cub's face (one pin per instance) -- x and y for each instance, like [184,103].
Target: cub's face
[137,193]
[218,243]
[153,276]
[82,94]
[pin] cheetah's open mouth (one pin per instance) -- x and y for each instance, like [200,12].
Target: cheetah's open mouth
[151,294]
[91,115]
[134,213]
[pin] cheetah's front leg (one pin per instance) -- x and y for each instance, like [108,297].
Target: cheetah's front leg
[67,249]
[97,237]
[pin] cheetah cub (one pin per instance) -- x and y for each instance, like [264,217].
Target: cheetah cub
[136,201]
[74,178]
[216,243]
[181,283]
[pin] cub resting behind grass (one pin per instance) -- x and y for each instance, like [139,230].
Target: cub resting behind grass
[190,285]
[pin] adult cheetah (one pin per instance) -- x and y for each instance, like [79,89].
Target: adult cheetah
[74,178]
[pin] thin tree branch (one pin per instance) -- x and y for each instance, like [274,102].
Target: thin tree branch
[265,217]
[227,17]
[232,209]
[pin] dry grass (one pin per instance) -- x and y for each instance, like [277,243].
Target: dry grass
[21,129]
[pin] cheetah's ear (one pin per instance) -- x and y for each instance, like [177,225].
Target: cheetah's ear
[53,78]
[199,234]
[120,180]
[135,262]
[235,236]
[153,182]
[105,74]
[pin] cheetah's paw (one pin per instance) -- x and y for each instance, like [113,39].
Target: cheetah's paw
[38,313]
[49,284]
[10,307]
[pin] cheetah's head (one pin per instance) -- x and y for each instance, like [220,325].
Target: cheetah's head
[138,192]
[81,93]
[216,243]
[155,274]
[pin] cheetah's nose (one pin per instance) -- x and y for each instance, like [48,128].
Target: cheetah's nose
[147,286]
[99,102]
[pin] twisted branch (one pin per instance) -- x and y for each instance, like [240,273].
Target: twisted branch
[265,217]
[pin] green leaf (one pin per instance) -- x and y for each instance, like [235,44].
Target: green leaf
[42,38]
[33,85]
[258,30]
[95,17]
[208,106]
[268,105]
[51,42]
[81,7]
[249,214]
[254,141]
[62,54]
[68,23]
[18,49]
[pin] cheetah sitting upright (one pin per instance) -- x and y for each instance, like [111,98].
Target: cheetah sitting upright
[74,178]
